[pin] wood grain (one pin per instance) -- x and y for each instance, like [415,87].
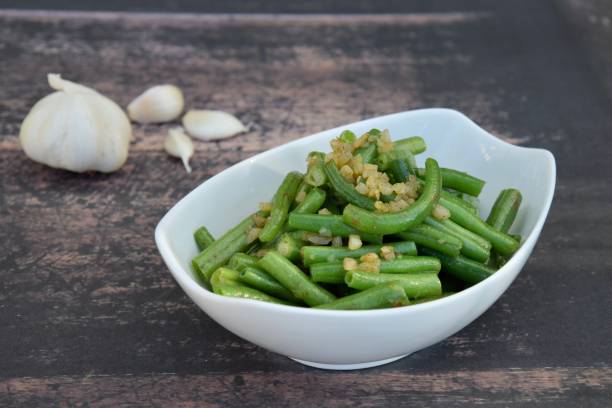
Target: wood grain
[552,387]
[88,312]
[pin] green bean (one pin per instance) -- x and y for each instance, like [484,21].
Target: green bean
[414,144]
[460,181]
[345,189]
[399,170]
[289,247]
[416,285]
[391,223]
[316,254]
[260,280]
[459,230]
[333,272]
[280,206]
[501,242]
[220,251]
[240,260]
[385,159]
[240,291]
[312,202]
[226,282]
[368,153]
[432,238]
[203,238]
[315,175]
[470,243]
[222,276]
[347,136]
[331,225]
[377,297]
[303,190]
[461,267]
[292,278]
[448,197]
[505,209]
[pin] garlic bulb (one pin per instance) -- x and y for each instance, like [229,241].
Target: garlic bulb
[76,129]
[161,103]
[211,124]
[178,144]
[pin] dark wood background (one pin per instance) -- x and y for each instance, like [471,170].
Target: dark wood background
[90,316]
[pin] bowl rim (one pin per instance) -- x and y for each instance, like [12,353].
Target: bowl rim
[185,278]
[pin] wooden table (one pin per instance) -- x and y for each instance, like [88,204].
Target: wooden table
[89,314]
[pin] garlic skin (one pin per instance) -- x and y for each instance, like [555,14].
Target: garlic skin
[76,129]
[211,124]
[178,144]
[159,104]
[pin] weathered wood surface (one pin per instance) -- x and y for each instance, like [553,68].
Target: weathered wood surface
[89,313]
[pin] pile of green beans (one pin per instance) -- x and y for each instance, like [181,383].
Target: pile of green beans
[322,242]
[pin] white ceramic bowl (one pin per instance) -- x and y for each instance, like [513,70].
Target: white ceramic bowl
[358,339]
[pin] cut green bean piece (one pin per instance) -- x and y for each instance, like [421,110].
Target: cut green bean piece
[292,278]
[280,206]
[203,238]
[399,170]
[391,223]
[414,144]
[289,247]
[460,181]
[345,189]
[432,238]
[302,191]
[240,260]
[468,206]
[240,291]
[470,247]
[459,230]
[315,175]
[315,254]
[461,267]
[220,251]
[377,297]
[505,209]
[385,159]
[330,225]
[347,136]
[260,280]
[333,272]
[501,242]
[368,153]
[312,202]
[416,285]
[222,276]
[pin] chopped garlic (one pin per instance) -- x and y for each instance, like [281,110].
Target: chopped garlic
[440,212]
[354,242]
[349,264]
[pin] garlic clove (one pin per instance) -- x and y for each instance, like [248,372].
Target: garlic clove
[159,104]
[211,124]
[76,128]
[178,144]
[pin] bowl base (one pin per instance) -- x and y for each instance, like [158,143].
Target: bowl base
[349,366]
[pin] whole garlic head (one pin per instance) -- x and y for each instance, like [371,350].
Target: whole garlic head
[76,129]
[212,124]
[159,104]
